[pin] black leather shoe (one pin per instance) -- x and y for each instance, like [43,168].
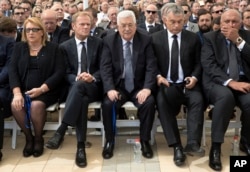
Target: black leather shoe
[28,148]
[194,149]
[179,156]
[245,148]
[55,141]
[81,160]
[38,147]
[146,149]
[108,149]
[214,159]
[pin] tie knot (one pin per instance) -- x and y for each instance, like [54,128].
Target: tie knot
[150,26]
[174,36]
[83,43]
[128,44]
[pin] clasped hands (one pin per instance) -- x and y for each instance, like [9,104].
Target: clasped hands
[141,96]
[85,77]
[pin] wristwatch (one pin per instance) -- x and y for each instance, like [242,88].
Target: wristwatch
[239,40]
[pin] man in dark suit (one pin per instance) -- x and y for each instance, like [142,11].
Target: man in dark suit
[6,46]
[128,71]
[150,17]
[246,19]
[55,33]
[178,80]
[226,81]
[82,54]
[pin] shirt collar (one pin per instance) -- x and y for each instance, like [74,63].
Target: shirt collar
[78,41]
[170,34]
[124,41]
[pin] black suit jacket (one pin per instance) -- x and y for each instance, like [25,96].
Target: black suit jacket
[60,35]
[112,62]
[94,49]
[6,47]
[214,58]
[189,53]
[51,65]
[98,32]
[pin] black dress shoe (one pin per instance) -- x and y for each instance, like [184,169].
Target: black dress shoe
[214,159]
[81,160]
[245,148]
[108,149]
[179,156]
[28,148]
[194,149]
[55,141]
[38,147]
[146,149]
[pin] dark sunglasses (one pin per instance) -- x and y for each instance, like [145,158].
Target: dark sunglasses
[217,12]
[185,12]
[17,13]
[153,12]
[27,30]
[38,11]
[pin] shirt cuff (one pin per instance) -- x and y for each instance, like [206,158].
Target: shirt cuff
[241,45]
[227,81]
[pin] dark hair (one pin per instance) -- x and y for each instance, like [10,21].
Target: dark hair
[203,11]
[247,10]
[216,20]
[27,2]
[93,11]
[186,5]
[7,24]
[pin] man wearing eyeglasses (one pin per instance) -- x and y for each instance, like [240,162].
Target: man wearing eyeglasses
[19,17]
[150,17]
[27,6]
[216,10]
[188,25]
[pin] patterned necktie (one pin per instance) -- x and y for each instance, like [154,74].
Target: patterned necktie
[129,75]
[174,60]
[83,58]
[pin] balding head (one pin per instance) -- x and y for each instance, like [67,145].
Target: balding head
[49,19]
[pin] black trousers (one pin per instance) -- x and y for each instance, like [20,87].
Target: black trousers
[169,101]
[224,100]
[146,113]
[76,108]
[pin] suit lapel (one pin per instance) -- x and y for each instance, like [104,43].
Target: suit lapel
[183,44]
[165,47]
[119,52]
[135,51]
[90,45]
[74,52]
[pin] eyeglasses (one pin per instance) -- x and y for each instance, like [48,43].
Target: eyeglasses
[19,13]
[26,9]
[38,11]
[27,30]
[153,12]
[185,12]
[219,11]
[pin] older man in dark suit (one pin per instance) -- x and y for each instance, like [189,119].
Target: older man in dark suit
[82,54]
[178,80]
[55,33]
[226,80]
[128,71]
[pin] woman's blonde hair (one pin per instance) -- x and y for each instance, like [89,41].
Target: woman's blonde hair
[35,21]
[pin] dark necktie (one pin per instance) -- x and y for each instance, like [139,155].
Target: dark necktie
[233,63]
[129,75]
[83,58]
[20,29]
[150,27]
[174,60]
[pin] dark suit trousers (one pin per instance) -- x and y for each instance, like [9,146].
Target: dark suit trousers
[76,109]
[146,113]
[224,101]
[169,101]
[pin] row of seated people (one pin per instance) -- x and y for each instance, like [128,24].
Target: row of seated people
[162,70]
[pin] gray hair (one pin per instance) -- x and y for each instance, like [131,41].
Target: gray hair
[171,7]
[125,14]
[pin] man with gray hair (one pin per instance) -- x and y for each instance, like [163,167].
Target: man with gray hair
[128,69]
[179,73]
